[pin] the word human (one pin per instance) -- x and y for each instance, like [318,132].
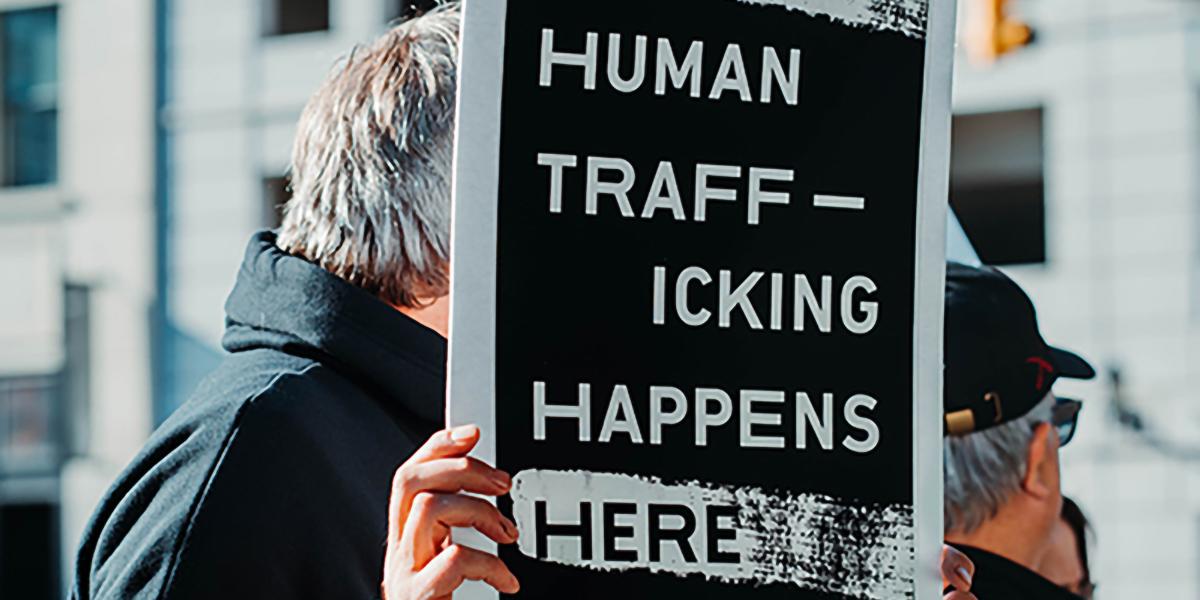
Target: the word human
[756,414]
[792,302]
[665,68]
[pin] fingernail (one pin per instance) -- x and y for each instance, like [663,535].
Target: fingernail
[965,574]
[502,480]
[511,529]
[463,433]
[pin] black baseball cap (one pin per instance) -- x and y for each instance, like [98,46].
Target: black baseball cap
[997,366]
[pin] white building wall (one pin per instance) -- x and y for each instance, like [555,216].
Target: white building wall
[1117,81]
[31,263]
[107,153]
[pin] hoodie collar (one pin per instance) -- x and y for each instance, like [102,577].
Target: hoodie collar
[287,303]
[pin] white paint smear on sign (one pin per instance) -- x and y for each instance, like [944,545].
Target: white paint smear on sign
[812,541]
[908,17]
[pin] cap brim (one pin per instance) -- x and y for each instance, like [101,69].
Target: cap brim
[1071,365]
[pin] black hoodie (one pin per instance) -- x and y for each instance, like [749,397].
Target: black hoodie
[272,481]
[998,578]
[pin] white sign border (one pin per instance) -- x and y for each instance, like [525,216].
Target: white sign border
[471,370]
[933,190]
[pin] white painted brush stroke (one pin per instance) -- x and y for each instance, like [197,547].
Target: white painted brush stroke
[839,202]
[909,17]
[814,542]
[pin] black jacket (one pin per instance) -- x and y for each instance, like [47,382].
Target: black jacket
[997,578]
[272,481]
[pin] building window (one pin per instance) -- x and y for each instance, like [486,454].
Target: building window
[28,429]
[276,192]
[399,10]
[285,17]
[996,184]
[29,95]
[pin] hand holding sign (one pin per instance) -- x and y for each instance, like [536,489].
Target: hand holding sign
[426,502]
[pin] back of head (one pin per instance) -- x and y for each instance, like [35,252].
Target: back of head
[371,164]
[983,470]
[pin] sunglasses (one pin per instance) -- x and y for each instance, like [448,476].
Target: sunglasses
[1064,416]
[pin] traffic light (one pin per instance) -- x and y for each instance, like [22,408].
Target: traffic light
[992,32]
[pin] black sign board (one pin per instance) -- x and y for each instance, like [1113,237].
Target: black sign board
[697,281]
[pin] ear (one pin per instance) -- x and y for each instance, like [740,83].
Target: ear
[1039,463]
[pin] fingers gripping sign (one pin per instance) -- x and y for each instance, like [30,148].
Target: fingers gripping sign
[428,498]
[957,573]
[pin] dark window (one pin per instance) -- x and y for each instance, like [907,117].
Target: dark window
[28,554]
[404,9]
[29,94]
[276,193]
[284,17]
[996,184]
[76,381]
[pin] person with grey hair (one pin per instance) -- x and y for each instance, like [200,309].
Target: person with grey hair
[1003,429]
[281,476]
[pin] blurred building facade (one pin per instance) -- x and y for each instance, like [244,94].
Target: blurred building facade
[144,140]
[76,256]
[1075,163]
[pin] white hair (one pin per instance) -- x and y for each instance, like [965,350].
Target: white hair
[370,172]
[982,470]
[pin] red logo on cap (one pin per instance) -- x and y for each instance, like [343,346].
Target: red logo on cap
[1044,368]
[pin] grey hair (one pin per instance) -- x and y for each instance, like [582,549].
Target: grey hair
[371,162]
[982,470]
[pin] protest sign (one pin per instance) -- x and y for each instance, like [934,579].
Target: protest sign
[697,284]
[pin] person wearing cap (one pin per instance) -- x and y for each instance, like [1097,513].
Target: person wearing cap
[1003,429]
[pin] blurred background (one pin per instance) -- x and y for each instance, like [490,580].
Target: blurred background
[141,141]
